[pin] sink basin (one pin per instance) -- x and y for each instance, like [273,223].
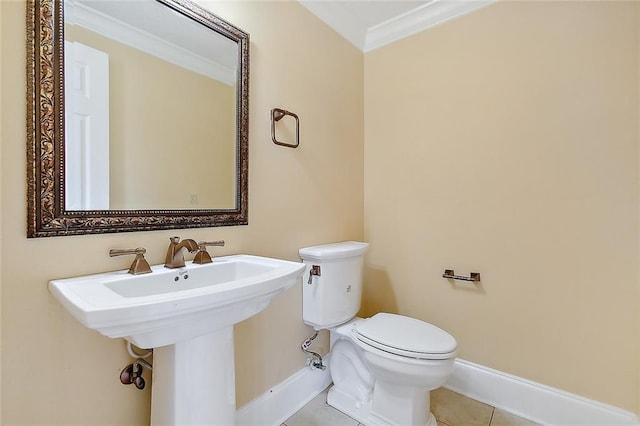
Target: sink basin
[171,305]
[186,315]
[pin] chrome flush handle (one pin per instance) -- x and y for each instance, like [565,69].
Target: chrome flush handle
[315,270]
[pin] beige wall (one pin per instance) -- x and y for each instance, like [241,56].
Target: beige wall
[166,142]
[2,47]
[55,371]
[506,142]
[638,130]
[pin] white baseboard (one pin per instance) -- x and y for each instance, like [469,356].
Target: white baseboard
[283,400]
[533,401]
[524,398]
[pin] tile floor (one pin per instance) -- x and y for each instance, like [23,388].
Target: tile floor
[450,409]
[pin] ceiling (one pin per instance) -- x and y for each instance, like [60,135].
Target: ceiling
[370,24]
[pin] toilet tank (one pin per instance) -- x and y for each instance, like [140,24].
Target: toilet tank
[333,297]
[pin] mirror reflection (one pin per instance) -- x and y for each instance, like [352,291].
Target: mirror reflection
[150,109]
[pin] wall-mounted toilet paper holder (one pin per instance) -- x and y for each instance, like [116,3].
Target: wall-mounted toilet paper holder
[450,274]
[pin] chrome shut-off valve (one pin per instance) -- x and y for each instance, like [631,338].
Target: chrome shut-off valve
[132,374]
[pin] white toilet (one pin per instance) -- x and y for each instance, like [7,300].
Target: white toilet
[382,367]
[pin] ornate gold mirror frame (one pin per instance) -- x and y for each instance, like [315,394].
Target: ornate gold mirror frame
[46,214]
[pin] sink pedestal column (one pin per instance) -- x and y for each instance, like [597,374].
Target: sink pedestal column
[194,381]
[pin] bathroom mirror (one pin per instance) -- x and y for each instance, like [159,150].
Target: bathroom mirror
[137,117]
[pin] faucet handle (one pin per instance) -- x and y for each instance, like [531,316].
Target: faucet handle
[139,264]
[203,256]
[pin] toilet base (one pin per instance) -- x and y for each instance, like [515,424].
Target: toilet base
[352,407]
[361,410]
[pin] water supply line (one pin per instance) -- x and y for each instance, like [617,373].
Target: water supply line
[316,360]
[134,354]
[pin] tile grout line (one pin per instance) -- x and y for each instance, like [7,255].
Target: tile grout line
[442,421]
[493,411]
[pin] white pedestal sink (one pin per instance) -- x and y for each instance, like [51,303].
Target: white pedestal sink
[187,316]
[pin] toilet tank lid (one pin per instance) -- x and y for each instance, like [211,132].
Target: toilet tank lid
[341,250]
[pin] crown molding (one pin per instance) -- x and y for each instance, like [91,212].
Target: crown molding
[419,19]
[424,17]
[339,19]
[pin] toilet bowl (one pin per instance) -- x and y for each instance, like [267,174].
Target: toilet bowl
[380,381]
[382,367]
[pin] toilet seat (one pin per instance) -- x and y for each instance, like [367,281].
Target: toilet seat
[407,337]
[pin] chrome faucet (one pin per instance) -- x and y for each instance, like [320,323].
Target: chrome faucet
[175,255]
